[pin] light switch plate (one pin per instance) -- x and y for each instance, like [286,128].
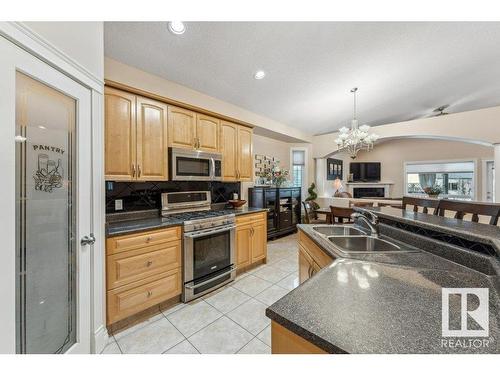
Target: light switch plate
[118,204]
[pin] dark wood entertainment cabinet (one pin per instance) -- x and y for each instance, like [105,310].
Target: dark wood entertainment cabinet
[284,208]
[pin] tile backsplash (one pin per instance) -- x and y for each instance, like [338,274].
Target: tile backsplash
[147,195]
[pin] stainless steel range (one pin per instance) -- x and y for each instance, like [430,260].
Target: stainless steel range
[209,241]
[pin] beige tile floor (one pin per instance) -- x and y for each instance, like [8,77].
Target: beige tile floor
[229,320]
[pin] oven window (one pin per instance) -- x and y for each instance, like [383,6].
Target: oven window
[211,253]
[192,166]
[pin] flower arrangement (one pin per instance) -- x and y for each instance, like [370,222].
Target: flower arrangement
[278,176]
[433,191]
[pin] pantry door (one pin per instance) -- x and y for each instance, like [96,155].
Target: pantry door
[45,205]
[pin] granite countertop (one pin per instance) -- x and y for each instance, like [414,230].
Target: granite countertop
[381,302]
[127,223]
[484,233]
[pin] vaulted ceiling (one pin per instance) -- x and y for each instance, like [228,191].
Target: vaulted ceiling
[403,70]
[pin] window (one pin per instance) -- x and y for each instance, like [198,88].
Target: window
[298,175]
[456,179]
[298,167]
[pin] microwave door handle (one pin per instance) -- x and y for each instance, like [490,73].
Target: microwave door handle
[213,168]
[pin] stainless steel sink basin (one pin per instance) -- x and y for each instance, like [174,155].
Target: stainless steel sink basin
[363,244]
[339,230]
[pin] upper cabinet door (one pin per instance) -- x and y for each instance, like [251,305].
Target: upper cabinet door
[120,141]
[245,153]
[229,144]
[152,148]
[181,127]
[207,133]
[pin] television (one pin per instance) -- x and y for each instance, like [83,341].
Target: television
[365,172]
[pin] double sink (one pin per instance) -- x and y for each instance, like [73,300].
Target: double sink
[353,239]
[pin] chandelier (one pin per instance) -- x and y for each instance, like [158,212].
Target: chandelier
[357,138]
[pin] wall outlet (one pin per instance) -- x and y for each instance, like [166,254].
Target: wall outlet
[118,204]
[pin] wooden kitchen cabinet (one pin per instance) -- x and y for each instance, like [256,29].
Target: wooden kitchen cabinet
[152,147]
[188,129]
[237,152]
[311,258]
[229,149]
[207,133]
[120,135]
[251,239]
[181,127]
[259,238]
[243,245]
[284,341]
[142,270]
[245,154]
[135,137]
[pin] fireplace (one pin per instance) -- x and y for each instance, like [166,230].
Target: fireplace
[368,192]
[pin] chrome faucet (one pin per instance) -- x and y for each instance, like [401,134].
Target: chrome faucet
[372,222]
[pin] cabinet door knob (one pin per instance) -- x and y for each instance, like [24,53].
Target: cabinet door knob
[149,263]
[138,170]
[150,293]
[133,170]
[149,239]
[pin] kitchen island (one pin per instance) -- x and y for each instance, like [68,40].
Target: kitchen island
[391,302]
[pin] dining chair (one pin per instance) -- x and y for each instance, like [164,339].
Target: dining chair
[338,214]
[421,202]
[475,208]
[310,217]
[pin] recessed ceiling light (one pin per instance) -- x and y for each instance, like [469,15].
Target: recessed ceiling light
[176,27]
[259,74]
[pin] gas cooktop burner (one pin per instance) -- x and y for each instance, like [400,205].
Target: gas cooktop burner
[197,215]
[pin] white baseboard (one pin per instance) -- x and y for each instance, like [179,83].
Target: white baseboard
[100,340]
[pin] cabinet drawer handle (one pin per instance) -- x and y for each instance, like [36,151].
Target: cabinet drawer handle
[149,263]
[150,293]
[149,239]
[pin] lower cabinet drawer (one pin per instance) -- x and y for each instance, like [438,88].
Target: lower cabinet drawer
[124,268]
[250,218]
[132,298]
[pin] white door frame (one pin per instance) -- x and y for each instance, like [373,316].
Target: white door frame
[484,173]
[38,46]
[15,59]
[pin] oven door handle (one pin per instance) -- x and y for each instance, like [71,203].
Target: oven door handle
[207,232]
[233,268]
[213,168]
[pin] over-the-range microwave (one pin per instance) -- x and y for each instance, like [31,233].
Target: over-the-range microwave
[193,165]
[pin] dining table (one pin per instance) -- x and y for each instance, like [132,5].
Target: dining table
[351,202]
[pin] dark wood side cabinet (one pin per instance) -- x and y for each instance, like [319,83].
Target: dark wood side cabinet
[283,204]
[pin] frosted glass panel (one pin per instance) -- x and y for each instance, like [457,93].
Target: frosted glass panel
[45,217]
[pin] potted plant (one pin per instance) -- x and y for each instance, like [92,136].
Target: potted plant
[312,197]
[433,191]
